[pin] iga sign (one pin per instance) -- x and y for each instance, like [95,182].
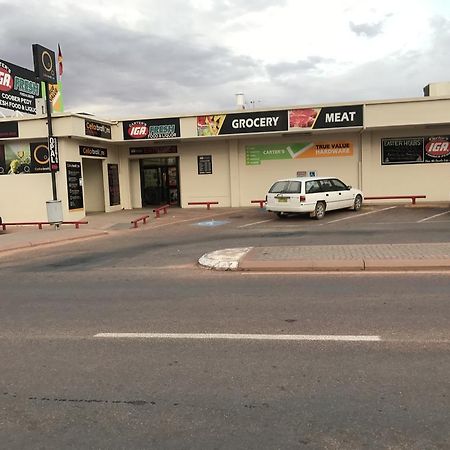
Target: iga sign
[425,149]
[151,129]
[18,88]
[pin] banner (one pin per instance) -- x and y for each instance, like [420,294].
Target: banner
[18,88]
[254,154]
[151,128]
[326,117]
[97,129]
[24,158]
[236,123]
[414,150]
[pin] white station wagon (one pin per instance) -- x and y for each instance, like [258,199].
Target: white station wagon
[313,195]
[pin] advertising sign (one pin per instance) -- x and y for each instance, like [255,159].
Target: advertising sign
[254,154]
[44,64]
[93,151]
[326,117]
[153,150]
[251,122]
[204,164]
[74,185]
[151,129]
[53,153]
[9,129]
[415,150]
[97,129]
[18,88]
[24,158]
[113,184]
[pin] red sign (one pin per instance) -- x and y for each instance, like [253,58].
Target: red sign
[438,148]
[138,130]
[6,80]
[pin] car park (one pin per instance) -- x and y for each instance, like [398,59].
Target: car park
[313,195]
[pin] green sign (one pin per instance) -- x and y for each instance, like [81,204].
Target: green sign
[254,154]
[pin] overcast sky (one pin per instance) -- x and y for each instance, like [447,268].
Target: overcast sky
[144,58]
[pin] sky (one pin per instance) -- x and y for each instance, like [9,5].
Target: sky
[154,58]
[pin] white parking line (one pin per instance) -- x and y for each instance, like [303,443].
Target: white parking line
[255,223]
[360,215]
[432,217]
[252,337]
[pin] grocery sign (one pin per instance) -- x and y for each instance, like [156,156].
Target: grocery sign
[18,88]
[151,129]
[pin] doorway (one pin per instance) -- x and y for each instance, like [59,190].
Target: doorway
[159,181]
[94,193]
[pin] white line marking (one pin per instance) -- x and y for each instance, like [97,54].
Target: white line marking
[255,223]
[253,337]
[432,217]
[363,214]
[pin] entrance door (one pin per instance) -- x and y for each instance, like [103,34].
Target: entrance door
[159,182]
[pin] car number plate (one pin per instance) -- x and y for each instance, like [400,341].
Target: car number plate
[282,199]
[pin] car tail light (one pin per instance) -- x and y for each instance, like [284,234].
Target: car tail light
[302,198]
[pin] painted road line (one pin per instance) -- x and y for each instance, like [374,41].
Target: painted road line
[255,223]
[251,337]
[432,217]
[360,215]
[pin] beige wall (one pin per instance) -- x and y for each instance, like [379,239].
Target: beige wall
[198,188]
[256,180]
[432,180]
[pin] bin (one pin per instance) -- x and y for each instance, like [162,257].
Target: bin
[54,211]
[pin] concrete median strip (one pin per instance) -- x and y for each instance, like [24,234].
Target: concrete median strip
[335,258]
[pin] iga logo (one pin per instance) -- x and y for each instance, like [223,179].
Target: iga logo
[438,148]
[138,130]
[6,80]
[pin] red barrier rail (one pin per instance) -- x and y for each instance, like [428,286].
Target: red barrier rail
[77,223]
[208,204]
[143,218]
[158,210]
[261,202]
[395,197]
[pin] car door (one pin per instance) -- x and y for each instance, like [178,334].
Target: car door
[343,194]
[331,196]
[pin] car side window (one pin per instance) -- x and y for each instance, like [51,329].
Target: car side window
[294,187]
[326,185]
[338,185]
[312,187]
[279,187]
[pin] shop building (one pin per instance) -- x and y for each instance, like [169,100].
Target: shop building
[392,147]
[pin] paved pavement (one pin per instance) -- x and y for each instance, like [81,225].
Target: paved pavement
[374,257]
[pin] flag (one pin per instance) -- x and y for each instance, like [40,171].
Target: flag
[60,61]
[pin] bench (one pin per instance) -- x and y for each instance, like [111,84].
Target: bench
[158,210]
[208,204]
[261,202]
[77,223]
[142,218]
[399,197]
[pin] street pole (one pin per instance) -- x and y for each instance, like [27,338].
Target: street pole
[50,134]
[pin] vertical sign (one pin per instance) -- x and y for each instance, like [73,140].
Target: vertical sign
[74,185]
[54,154]
[204,164]
[113,183]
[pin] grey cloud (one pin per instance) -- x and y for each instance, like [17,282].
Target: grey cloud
[367,29]
[288,70]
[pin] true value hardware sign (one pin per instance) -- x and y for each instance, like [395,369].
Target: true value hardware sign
[18,88]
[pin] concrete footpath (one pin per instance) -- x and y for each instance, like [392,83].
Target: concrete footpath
[374,257]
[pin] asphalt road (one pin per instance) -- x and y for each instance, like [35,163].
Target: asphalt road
[63,387]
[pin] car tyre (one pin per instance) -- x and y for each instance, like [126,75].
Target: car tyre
[319,210]
[357,203]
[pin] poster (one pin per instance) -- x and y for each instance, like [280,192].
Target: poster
[74,185]
[24,158]
[113,184]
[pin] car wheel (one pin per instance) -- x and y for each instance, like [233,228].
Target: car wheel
[319,211]
[357,203]
[281,215]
